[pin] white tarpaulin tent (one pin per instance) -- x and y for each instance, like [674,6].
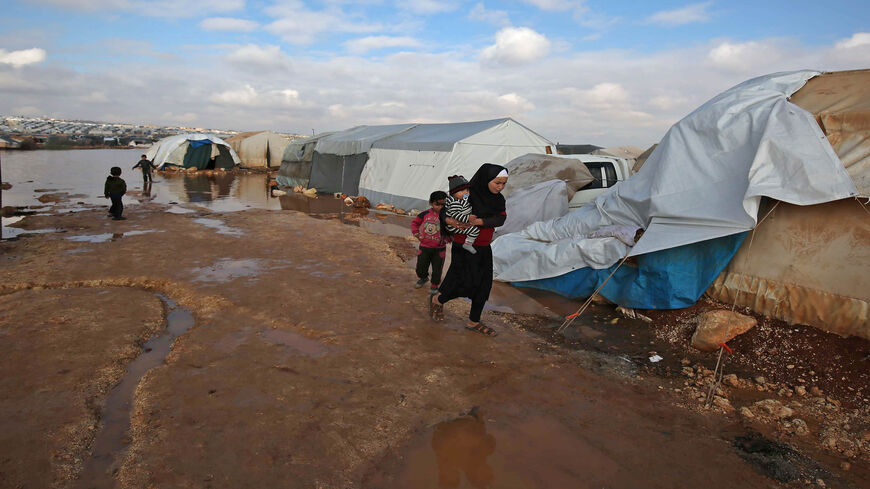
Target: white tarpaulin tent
[176,150]
[705,180]
[404,169]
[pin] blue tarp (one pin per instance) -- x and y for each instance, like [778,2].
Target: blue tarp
[666,279]
[195,143]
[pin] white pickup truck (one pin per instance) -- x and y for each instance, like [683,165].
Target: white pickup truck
[607,170]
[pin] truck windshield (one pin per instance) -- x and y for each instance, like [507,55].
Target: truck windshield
[604,173]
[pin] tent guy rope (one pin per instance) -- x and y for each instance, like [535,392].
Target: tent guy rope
[570,319]
[719,371]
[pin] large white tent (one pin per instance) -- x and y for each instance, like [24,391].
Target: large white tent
[192,150]
[403,169]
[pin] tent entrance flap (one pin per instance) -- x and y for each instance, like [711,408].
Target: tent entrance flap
[224,159]
[337,173]
[198,155]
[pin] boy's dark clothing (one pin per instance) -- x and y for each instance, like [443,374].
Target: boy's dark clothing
[433,245]
[146,166]
[114,189]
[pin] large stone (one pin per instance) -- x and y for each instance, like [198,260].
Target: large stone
[774,408]
[717,327]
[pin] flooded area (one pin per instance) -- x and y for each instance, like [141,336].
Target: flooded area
[82,173]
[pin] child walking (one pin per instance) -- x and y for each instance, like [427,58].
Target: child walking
[146,166]
[426,227]
[459,207]
[114,189]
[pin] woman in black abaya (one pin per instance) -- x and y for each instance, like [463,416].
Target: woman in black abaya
[470,275]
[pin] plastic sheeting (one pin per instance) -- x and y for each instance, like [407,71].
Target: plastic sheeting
[540,202]
[666,279]
[704,181]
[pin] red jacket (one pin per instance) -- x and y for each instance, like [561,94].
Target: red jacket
[427,227]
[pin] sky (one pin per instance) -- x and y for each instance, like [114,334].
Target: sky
[575,71]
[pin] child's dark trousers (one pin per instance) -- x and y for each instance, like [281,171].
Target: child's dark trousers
[433,257]
[117,205]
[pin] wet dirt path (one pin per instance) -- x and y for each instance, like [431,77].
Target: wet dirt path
[312,364]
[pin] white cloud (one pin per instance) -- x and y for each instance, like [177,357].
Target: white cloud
[151,8]
[668,102]
[513,103]
[268,58]
[366,44]
[555,4]
[497,17]
[249,97]
[747,57]
[690,14]
[96,97]
[184,118]
[425,7]
[607,95]
[859,39]
[22,57]
[298,25]
[289,96]
[245,96]
[516,45]
[228,24]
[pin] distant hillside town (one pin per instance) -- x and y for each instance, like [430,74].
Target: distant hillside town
[18,132]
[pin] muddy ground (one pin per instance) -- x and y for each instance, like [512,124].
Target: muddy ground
[311,364]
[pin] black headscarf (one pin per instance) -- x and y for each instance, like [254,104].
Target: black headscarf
[483,202]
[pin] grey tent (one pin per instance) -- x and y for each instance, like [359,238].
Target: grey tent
[296,161]
[340,157]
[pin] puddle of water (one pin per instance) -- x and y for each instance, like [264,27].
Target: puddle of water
[13,232]
[227,269]
[102,238]
[301,344]
[218,225]
[9,233]
[475,452]
[108,447]
[175,209]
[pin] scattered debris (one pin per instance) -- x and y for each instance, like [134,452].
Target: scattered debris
[632,314]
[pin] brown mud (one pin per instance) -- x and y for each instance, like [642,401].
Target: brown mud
[312,363]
